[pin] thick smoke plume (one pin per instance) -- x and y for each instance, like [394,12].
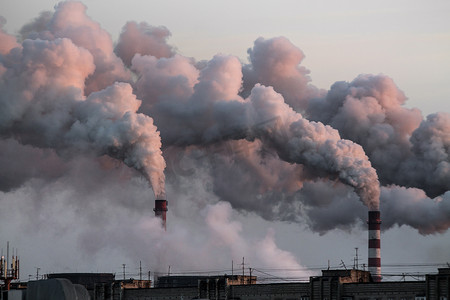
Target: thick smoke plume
[404,148]
[257,137]
[44,82]
[263,115]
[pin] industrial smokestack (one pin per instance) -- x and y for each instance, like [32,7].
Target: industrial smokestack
[160,210]
[374,245]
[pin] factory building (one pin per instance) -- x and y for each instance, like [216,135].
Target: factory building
[331,285]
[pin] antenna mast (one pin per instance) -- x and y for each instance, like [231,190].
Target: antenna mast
[243,270]
[356,262]
[9,271]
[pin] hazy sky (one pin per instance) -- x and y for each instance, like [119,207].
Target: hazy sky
[408,41]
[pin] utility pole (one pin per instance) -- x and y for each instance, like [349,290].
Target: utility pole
[232,269]
[140,271]
[37,273]
[7,256]
[123,266]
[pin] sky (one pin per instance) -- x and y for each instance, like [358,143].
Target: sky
[78,213]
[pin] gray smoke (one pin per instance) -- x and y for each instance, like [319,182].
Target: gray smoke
[263,115]
[21,163]
[144,39]
[276,62]
[411,206]
[405,149]
[43,103]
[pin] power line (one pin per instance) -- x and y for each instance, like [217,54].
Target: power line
[413,271]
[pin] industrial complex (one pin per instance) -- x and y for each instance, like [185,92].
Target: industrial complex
[332,284]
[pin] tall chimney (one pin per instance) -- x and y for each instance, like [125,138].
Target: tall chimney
[374,245]
[160,210]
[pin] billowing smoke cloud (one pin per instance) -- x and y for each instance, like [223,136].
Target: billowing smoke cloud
[70,21]
[42,84]
[164,81]
[263,115]
[431,160]
[144,39]
[404,148]
[320,147]
[276,62]
[253,178]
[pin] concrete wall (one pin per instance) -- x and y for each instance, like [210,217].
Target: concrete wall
[275,291]
[385,290]
[161,293]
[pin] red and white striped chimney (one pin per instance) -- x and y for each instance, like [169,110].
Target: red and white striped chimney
[160,211]
[374,245]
